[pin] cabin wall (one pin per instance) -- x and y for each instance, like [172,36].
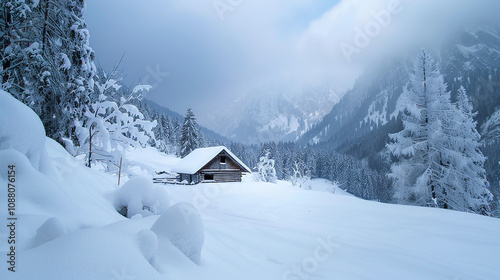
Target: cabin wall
[216,163]
[223,175]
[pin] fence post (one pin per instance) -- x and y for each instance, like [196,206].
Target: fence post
[120,171]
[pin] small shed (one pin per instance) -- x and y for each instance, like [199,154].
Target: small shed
[213,164]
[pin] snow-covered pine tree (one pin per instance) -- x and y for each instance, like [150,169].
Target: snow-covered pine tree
[157,130]
[46,60]
[440,163]
[265,169]
[15,19]
[412,175]
[21,53]
[76,62]
[167,131]
[467,176]
[51,19]
[161,132]
[190,134]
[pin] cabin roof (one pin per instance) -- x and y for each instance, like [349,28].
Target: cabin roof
[198,158]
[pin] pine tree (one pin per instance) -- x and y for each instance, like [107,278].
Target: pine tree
[413,174]
[190,134]
[440,163]
[47,62]
[21,51]
[469,190]
[265,169]
[76,62]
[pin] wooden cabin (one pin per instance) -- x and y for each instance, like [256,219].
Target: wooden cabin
[211,165]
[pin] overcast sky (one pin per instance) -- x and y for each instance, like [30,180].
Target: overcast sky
[204,52]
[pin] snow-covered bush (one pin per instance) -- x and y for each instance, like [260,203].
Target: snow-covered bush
[301,175]
[265,170]
[112,126]
[181,224]
[140,196]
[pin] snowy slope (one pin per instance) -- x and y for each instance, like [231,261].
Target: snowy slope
[473,50]
[68,228]
[373,102]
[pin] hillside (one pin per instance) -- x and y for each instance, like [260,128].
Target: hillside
[469,59]
[68,227]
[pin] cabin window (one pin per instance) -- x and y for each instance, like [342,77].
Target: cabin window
[222,160]
[208,177]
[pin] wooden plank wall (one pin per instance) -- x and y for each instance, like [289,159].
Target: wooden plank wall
[225,175]
[215,163]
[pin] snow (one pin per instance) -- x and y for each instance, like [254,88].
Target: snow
[374,115]
[181,225]
[68,227]
[140,196]
[65,63]
[198,158]
[50,230]
[148,244]
[30,140]
[282,122]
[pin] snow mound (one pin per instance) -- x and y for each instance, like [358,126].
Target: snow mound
[140,196]
[148,244]
[50,230]
[181,224]
[22,130]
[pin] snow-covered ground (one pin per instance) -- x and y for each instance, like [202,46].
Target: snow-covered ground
[68,227]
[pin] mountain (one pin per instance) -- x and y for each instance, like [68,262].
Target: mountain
[472,50]
[369,111]
[274,113]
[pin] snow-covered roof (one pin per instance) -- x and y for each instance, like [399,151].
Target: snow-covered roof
[198,158]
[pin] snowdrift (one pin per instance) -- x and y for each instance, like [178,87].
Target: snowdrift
[62,209]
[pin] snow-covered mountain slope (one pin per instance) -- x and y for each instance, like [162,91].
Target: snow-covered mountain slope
[68,227]
[472,50]
[273,113]
[372,105]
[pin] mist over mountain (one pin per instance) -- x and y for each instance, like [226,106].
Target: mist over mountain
[281,112]
[469,59]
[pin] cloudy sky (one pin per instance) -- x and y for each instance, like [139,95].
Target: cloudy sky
[204,53]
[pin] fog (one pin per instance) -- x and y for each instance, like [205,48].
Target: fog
[203,53]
